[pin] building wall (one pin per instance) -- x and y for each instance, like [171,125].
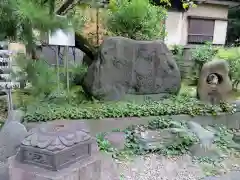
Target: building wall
[174,25]
[209,10]
[220,32]
[177,23]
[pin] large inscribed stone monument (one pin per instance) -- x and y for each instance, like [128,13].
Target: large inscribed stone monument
[126,66]
[214,83]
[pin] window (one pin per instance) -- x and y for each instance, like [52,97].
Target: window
[200,30]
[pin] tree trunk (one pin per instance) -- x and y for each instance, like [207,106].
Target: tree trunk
[64,7]
[80,42]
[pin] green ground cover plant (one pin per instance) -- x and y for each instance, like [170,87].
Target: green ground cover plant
[45,111]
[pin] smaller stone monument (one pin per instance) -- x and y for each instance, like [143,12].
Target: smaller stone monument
[56,151]
[214,84]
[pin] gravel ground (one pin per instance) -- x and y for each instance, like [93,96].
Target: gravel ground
[155,167]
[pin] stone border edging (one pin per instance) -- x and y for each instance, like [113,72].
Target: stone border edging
[108,124]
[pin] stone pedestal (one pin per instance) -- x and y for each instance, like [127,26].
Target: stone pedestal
[87,169]
[56,152]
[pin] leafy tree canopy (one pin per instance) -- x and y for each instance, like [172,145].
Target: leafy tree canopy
[136,20]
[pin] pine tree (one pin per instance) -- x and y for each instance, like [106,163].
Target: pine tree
[20,17]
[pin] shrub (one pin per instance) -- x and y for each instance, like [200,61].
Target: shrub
[232,55]
[38,73]
[77,73]
[136,19]
[44,84]
[173,106]
[200,55]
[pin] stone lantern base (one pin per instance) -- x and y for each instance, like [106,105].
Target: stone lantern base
[87,169]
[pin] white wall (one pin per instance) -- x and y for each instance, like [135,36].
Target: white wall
[220,30]
[174,23]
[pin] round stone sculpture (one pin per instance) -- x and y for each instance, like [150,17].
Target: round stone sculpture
[54,137]
[214,84]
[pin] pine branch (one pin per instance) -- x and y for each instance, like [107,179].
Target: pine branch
[65,6]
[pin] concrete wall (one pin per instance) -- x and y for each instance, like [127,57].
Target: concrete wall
[177,23]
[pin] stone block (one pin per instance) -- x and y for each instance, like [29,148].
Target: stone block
[181,117]
[152,140]
[199,151]
[220,120]
[4,171]
[87,169]
[117,139]
[203,120]
[233,120]
[205,136]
